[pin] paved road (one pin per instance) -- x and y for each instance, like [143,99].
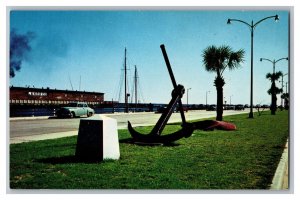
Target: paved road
[20,127]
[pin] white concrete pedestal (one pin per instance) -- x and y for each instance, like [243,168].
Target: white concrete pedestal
[98,139]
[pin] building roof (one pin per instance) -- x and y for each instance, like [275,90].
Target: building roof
[53,90]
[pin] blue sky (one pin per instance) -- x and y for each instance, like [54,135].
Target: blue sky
[89,45]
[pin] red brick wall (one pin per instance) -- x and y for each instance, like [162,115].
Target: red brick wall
[49,96]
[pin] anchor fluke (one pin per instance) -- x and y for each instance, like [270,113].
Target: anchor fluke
[186,131]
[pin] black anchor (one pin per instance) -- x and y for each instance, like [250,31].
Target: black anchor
[155,135]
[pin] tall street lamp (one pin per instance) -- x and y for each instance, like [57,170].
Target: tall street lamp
[282,89]
[187,96]
[273,62]
[206,98]
[252,27]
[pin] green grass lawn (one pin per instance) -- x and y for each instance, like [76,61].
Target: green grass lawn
[243,159]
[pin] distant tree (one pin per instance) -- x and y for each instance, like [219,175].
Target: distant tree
[285,96]
[217,59]
[273,91]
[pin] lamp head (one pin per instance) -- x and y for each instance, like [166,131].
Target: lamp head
[260,59]
[287,58]
[276,18]
[228,21]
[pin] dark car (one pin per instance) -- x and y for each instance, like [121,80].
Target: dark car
[211,108]
[265,106]
[239,107]
[161,109]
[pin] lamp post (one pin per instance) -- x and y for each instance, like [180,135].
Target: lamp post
[282,89]
[230,99]
[252,27]
[273,62]
[187,97]
[206,98]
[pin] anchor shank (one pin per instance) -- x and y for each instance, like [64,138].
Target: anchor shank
[161,123]
[163,49]
[168,65]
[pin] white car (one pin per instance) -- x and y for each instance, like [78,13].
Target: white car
[75,109]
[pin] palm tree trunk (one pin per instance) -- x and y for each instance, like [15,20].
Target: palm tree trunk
[219,103]
[274,99]
[219,83]
[273,105]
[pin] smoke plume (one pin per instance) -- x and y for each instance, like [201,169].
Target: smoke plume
[19,48]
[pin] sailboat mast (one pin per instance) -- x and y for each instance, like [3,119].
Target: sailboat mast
[135,85]
[126,100]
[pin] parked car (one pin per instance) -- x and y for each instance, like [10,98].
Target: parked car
[239,107]
[211,107]
[265,106]
[161,109]
[75,109]
[229,107]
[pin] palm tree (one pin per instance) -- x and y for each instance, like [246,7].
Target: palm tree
[217,59]
[285,96]
[273,91]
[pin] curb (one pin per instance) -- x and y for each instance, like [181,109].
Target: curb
[47,136]
[29,118]
[280,180]
[49,117]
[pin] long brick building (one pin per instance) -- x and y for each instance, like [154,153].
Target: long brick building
[47,96]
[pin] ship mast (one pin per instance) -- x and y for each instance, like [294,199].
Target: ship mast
[135,85]
[126,95]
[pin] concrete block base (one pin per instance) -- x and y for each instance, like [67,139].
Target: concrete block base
[97,139]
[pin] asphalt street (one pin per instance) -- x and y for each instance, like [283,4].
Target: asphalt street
[30,126]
